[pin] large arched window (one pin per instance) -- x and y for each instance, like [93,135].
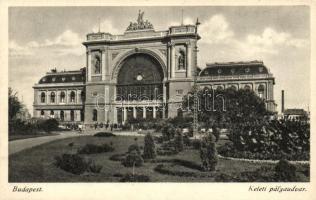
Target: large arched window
[261,91]
[95,115]
[140,77]
[43,97]
[72,97]
[52,97]
[62,97]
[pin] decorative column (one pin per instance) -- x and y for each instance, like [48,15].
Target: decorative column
[67,94]
[172,60]
[154,112]
[164,104]
[125,114]
[103,60]
[144,112]
[115,115]
[189,59]
[134,112]
[89,65]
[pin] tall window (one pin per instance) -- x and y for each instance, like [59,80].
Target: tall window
[52,97]
[261,91]
[62,115]
[95,115]
[72,115]
[72,97]
[62,97]
[52,114]
[42,113]
[43,97]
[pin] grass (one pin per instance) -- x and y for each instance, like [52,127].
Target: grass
[36,164]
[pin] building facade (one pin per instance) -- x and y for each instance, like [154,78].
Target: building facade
[142,73]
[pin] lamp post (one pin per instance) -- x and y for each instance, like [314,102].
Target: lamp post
[195,87]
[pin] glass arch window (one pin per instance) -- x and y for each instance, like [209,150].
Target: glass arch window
[261,91]
[43,97]
[62,97]
[95,115]
[52,97]
[138,77]
[72,97]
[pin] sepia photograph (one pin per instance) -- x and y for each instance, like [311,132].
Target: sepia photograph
[159,94]
[139,98]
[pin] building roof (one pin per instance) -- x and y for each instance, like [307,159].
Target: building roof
[64,77]
[234,68]
[295,111]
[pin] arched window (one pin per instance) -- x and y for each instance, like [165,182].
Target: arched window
[95,115]
[62,97]
[233,87]
[261,91]
[219,87]
[72,115]
[52,114]
[42,113]
[52,97]
[247,87]
[62,115]
[43,97]
[72,97]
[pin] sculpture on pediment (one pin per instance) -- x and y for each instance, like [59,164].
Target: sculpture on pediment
[181,60]
[140,24]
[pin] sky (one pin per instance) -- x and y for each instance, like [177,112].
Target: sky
[43,38]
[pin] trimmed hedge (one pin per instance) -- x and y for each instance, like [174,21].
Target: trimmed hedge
[72,163]
[104,134]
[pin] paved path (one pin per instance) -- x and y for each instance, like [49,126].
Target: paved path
[19,145]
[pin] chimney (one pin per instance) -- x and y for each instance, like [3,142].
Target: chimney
[282,101]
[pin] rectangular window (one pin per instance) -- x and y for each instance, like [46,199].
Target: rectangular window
[179,92]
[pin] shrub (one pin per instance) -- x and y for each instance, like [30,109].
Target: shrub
[135,178]
[149,148]
[208,155]
[104,134]
[94,168]
[132,159]
[187,141]
[92,149]
[178,142]
[168,132]
[285,171]
[196,144]
[166,151]
[72,163]
[49,125]
[133,147]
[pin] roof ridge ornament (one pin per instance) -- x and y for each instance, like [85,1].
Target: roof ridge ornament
[140,24]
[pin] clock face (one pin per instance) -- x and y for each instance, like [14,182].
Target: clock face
[139,77]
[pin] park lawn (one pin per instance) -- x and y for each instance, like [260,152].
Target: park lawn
[37,164]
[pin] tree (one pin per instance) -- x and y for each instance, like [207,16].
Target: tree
[149,147]
[14,104]
[229,105]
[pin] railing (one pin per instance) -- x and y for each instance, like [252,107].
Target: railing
[235,77]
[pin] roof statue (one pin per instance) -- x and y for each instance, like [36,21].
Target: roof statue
[140,24]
